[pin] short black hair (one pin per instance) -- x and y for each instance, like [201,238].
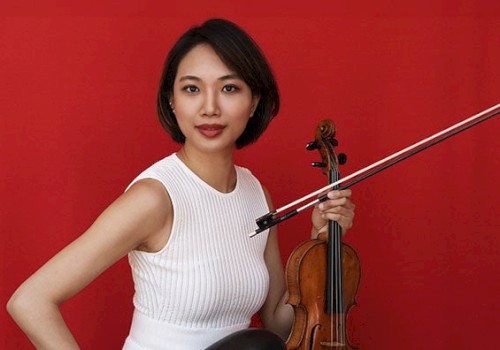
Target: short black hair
[239,52]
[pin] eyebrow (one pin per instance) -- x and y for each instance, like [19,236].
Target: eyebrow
[222,78]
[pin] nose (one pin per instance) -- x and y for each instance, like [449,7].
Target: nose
[210,105]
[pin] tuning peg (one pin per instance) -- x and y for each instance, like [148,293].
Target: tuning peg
[342,158]
[318,164]
[312,146]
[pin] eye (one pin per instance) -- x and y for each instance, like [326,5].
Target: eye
[230,88]
[190,88]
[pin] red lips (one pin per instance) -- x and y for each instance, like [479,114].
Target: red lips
[210,130]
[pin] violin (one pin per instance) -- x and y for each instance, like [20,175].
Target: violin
[323,274]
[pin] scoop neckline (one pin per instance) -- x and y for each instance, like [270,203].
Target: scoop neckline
[203,183]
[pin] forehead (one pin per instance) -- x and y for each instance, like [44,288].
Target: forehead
[202,61]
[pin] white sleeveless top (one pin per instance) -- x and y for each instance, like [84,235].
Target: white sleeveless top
[210,277]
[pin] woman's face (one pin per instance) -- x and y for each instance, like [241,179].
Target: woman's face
[212,103]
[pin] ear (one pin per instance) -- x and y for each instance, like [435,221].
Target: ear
[255,103]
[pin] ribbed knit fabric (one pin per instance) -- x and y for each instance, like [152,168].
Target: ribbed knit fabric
[210,277]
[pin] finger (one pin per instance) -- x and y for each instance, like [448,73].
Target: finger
[339,202]
[338,215]
[345,222]
[347,193]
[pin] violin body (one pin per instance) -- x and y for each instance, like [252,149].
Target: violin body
[306,271]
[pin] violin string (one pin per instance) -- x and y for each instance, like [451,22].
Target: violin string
[472,121]
[335,263]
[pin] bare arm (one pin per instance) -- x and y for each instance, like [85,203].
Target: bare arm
[136,219]
[275,314]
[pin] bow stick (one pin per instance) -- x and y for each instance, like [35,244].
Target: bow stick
[270,219]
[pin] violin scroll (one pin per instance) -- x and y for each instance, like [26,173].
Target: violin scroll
[325,142]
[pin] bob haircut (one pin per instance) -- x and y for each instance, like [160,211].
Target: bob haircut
[240,53]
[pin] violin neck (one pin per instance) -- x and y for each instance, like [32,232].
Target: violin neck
[334,297]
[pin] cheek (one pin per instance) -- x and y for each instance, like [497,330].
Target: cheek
[240,108]
[184,109]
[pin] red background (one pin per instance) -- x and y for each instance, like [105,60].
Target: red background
[78,123]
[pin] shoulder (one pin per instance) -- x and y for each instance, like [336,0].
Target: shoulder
[148,195]
[249,178]
[245,172]
[160,170]
[153,209]
[268,198]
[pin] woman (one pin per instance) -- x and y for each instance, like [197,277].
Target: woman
[184,222]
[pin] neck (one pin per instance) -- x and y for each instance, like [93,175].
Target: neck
[216,169]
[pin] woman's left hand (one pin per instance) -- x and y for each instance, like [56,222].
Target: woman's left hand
[338,207]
